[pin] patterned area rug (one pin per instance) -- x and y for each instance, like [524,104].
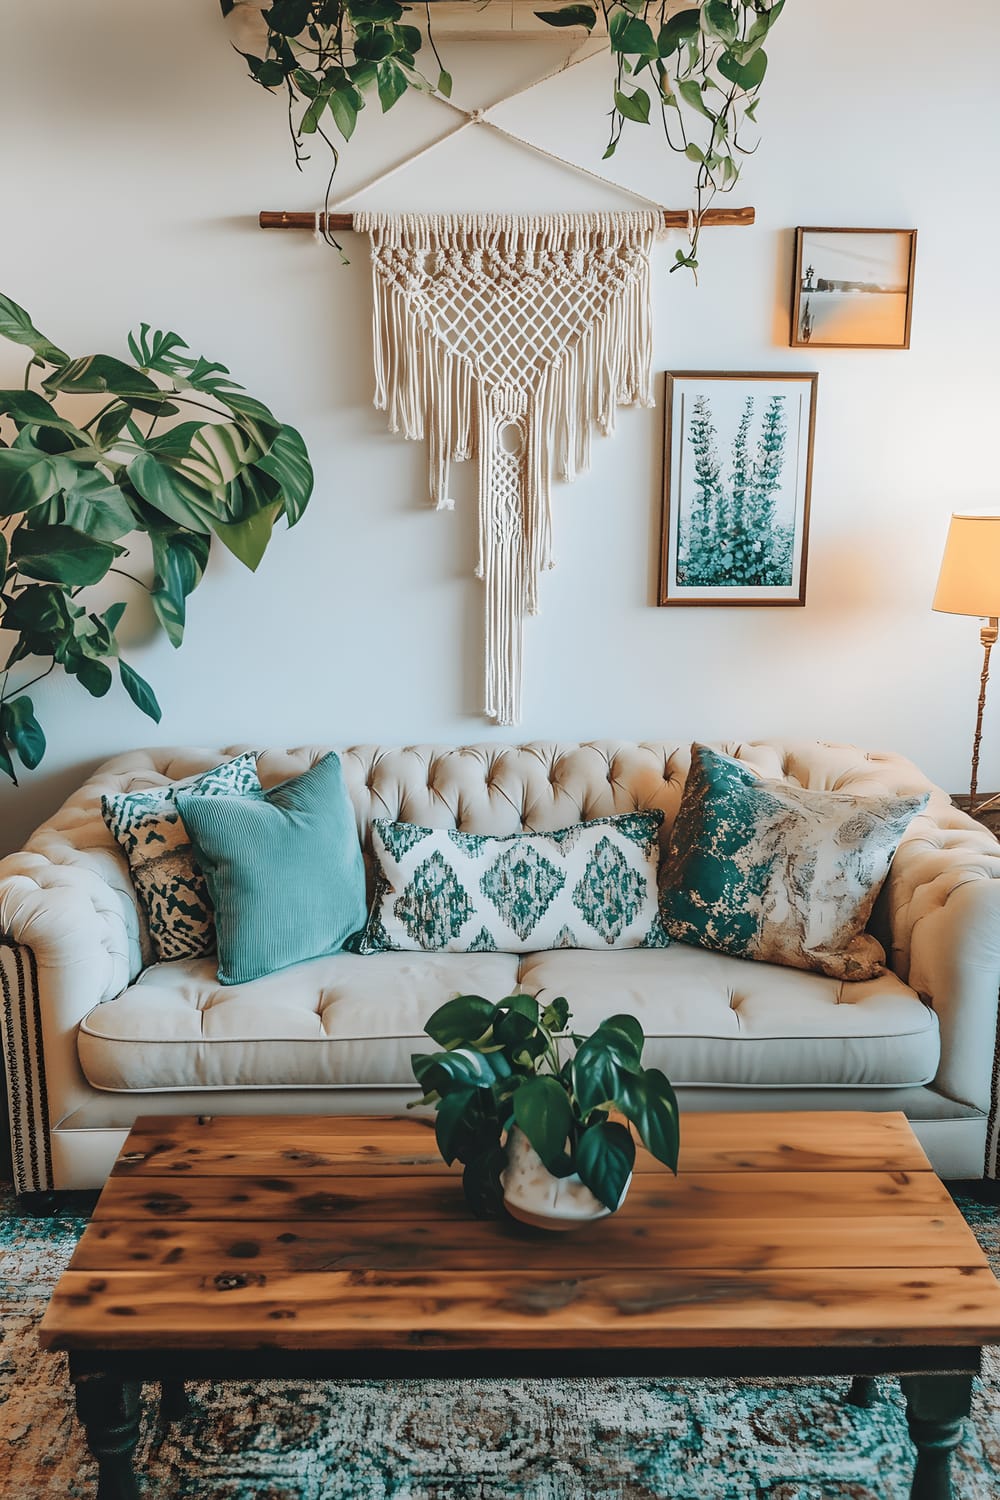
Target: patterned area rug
[501,1440]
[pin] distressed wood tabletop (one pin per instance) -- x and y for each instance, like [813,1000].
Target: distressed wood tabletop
[819,1230]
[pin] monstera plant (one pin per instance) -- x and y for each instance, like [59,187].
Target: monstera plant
[168,446]
[697,69]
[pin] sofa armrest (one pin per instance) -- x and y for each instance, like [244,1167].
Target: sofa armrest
[944,914]
[74,921]
[69,938]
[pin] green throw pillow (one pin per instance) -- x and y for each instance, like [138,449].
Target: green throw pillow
[589,886]
[164,871]
[284,871]
[777,872]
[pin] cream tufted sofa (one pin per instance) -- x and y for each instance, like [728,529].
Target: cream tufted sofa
[94,1033]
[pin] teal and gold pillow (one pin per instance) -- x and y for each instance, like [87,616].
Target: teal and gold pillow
[773,871]
[165,872]
[589,886]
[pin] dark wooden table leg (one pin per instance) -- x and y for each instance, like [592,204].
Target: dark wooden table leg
[936,1409]
[864,1391]
[174,1403]
[110,1410]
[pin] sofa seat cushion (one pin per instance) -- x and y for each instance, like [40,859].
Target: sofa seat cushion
[345,1019]
[333,1021]
[715,1020]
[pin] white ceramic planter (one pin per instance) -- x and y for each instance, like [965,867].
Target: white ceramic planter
[532,1195]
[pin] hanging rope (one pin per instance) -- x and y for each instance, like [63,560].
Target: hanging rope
[480,116]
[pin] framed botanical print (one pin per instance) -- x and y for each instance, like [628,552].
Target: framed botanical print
[737,472]
[853,288]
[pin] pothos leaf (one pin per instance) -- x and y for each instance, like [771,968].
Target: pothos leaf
[248,539]
[569,15]
[633,106]
[718,17]
[392,83]
[95,676]
[179,557]
[747,75]
[691,94]
[605,1155]
[21,729]
[344,106]
[542,1110]
[139,691]
[7,764]
[61,554]
[630,35]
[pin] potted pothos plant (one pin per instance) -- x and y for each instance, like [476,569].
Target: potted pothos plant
[528,1105]
[168,446]
[696,69]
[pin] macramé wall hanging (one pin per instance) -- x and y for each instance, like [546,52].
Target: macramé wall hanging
[507,339]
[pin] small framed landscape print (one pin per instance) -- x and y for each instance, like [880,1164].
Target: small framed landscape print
[737,471]
[853,288]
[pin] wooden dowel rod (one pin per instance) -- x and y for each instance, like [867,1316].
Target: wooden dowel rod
[673,218]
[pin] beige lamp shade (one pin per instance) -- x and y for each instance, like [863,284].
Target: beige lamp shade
[969,581]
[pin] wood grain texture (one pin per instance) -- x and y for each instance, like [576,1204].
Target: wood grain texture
[673,218]
[305,1234]
[297,1145]
[622,1242]
[419,1199]
[523,1309]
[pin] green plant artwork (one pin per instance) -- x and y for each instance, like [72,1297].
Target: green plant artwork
[697,71]
[168,446]
[729,533]
[508,1064]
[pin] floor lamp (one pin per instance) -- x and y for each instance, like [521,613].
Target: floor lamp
[969,584]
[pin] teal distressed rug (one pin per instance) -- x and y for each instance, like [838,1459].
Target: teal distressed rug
[435,1440]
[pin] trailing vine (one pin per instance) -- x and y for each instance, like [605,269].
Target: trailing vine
[699,70]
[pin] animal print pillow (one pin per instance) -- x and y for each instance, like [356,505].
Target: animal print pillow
[779,872]
[165,873]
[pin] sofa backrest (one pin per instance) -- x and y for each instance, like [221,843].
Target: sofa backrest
[486,788]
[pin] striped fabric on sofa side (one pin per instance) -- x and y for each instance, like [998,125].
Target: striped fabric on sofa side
[21,1036]
[991,1166]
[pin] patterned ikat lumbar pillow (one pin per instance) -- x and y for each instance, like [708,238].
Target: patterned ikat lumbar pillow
[778,872]
[165,873]
[589,886]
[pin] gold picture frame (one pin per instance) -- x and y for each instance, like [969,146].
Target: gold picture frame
[852,288]
[737,479]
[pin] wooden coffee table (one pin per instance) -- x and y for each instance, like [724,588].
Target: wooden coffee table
[790,1244]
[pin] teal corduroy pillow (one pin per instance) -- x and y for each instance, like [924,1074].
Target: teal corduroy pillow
[284,870]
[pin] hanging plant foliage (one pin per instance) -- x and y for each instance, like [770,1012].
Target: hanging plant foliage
[698,70]
[329,56]
[176,450]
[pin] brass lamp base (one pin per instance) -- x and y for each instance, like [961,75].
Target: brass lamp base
[988,637]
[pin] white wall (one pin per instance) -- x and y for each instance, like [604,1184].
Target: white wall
[134,155]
